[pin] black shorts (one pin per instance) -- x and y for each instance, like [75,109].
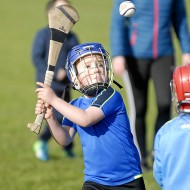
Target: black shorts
[137,184]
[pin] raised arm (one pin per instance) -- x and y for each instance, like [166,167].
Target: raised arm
[83,118]
[62,134]
[180,24]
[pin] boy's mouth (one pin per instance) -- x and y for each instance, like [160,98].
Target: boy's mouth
[96,79]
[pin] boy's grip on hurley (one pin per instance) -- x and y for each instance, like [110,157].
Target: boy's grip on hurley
[61,19]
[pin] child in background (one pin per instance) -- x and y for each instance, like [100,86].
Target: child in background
[172,142]
[100,118]
[40,51]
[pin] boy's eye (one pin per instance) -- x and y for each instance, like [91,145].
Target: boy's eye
[97,64]
[100,65]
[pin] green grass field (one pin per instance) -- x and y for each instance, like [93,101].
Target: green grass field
[19,169]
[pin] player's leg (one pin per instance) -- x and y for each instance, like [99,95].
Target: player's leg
[161,72]
[41,145]
[139,76]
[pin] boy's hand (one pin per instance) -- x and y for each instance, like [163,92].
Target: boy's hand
[119,65]
[61,74]
[46,94]
[185,58]
[41,107]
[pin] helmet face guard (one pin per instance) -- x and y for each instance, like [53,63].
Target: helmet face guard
[180,86]
[78,54]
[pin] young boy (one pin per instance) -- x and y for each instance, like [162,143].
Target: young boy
[110,157]
[172,142]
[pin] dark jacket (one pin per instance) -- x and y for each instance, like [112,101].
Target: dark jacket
[148,34]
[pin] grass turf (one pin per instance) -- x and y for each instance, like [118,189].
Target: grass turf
[19,169]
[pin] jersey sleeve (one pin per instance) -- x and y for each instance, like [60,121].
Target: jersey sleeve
[108,101]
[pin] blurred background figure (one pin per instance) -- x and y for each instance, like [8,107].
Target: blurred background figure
[143,46]
[172,141]
[40,52]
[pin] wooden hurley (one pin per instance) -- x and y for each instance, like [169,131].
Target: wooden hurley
[61,19]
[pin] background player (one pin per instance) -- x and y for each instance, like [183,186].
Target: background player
[172,142]
[40,52]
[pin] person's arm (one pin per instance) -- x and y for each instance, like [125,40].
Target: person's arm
[180,24]
[119,65]
[39,52]
[84,118]
[69,43]
[62,134]
[185,58]
[157,171]
[119,39]
[72,41]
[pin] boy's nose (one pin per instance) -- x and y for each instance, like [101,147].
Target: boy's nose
[95,69]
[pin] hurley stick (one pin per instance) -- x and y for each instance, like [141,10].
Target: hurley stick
[61,19]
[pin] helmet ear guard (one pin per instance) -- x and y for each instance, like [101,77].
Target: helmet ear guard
[72,75]
[76,83]
[181,88]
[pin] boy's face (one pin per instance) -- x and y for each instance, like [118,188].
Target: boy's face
[91,69]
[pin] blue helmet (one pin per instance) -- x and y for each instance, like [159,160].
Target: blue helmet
[77,53]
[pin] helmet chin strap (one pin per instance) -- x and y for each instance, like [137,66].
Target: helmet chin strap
[94,89]
[77,85]
[117,84]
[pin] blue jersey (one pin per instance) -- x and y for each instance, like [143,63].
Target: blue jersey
[172,154]
[110,156]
